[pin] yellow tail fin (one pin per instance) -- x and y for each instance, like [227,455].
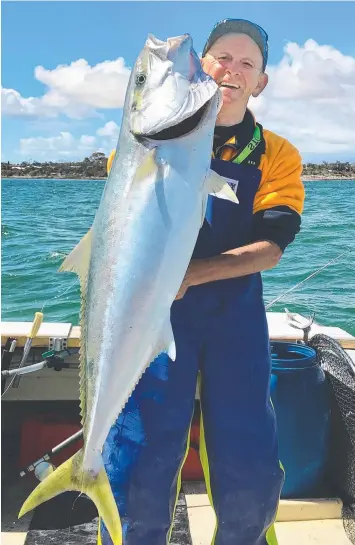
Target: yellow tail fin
[70,476]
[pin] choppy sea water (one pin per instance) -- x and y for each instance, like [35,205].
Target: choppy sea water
[42,220]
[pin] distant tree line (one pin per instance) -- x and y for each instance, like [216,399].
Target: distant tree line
[95,167]
[324,169]
[91,167]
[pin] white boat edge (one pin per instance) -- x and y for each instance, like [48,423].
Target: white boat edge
[278,323]
[47,385]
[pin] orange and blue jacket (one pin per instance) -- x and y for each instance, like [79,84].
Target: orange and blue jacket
[279,200]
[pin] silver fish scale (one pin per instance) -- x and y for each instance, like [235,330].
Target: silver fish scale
[143,237]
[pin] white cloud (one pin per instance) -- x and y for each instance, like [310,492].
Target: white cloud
[76,90]
[110,130]
[66,146]
[310,98]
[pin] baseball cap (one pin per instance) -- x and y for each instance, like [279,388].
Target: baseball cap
[240,26]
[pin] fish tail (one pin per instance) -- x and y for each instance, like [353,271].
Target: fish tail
[71,476]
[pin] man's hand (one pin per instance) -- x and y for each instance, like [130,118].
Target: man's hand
[190,279]
[253,258]
[213,68]
[183,289]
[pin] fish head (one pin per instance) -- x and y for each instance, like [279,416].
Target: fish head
[169,87]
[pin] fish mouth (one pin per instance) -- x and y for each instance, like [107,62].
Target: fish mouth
[181,129]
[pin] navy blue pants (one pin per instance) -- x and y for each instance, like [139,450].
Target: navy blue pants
[223,337]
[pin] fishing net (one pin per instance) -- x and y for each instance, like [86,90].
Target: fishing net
[340,370]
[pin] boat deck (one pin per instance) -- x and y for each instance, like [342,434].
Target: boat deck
[71,521]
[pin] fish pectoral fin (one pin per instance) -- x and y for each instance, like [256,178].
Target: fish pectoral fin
[169,341]
[204,206]
[70,476]
[166,342]
[78,260]
[147,168]
[218,187]
[172,350]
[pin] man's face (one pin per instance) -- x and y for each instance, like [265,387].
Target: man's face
[235,62]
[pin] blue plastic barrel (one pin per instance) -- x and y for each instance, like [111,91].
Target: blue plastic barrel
[301,397]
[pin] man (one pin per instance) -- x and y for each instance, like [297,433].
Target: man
[220,329]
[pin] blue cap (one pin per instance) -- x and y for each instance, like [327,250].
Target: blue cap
[240,26]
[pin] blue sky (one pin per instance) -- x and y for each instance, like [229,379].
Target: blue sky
[49,34]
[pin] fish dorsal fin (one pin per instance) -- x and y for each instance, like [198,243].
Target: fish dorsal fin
[147,168]
[218,187]
[78,260]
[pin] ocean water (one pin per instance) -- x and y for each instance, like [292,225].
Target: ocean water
[42,220]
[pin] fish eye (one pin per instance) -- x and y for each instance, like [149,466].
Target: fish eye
[140,79]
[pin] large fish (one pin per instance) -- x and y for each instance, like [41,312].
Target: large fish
[132,261]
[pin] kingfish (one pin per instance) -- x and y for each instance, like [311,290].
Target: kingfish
[132,261]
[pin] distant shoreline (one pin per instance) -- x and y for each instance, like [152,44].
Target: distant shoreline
[95,168]
[322,178]
[309,178]
[52,178]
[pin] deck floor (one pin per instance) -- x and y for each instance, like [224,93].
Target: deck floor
[70,520]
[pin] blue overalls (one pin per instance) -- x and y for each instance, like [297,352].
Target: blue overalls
[222,338]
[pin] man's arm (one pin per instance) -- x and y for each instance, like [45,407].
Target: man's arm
[249,259]
[277,217]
